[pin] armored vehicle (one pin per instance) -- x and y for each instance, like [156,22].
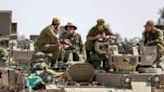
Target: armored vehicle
[131,69]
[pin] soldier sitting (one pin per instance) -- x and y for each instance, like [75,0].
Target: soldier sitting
[154,37]
[72,43]
[99,32]
[48,42]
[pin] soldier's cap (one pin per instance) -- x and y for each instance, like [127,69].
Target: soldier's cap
[100,21]
[56,20]
[69,24]
[149,23]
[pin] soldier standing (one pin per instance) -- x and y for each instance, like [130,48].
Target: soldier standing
[154,37]
[48,42]
[72,42]
[99,32]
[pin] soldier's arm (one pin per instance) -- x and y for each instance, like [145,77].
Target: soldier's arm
[159,38]
[110,34]
[52,45]
[143,38]
[92,38]
[53,35]
[62,38]
[91,35]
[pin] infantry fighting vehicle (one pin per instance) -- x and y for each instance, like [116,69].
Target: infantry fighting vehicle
[131,69]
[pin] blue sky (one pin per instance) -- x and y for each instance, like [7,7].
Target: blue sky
[125,17]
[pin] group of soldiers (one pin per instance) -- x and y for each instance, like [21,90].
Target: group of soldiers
[60,47]
[71,41]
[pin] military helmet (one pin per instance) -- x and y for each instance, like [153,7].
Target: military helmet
[101,24]
[100,21]
[69,24]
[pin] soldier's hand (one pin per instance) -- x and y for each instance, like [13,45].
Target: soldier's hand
[104,35]
[67,41]
[107,37]
[98,36]
[60,46]
[112,37]
[65,46]
[100,39]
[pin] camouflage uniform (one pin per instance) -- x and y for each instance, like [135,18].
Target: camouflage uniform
[76,48]
[155,38]
[48,42]
[89,45]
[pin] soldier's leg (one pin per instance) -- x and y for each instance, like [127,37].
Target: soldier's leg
[88,54]
[160,56]
[61,54]
[160,49]
[89,48]
[76,56]
[106,64]
[94,60]
[55,51]
[66,56]
[160,65]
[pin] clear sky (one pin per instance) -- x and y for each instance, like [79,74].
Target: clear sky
[125,17]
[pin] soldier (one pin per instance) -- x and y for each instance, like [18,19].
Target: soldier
[154,37]
[48,41]
[99,32]
[72,42]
